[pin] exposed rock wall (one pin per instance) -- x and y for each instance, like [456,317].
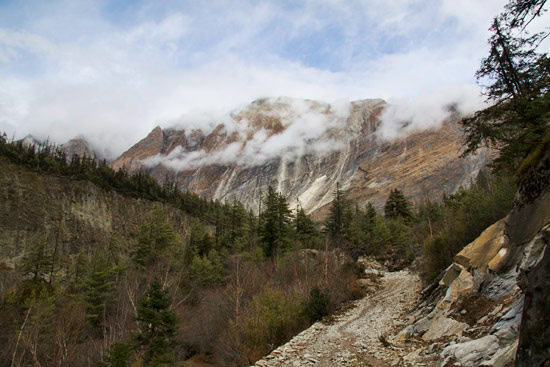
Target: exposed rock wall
[495,291]
[534,342]
[77,214]
[424,164]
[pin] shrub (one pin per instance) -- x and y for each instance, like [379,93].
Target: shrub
[317,305]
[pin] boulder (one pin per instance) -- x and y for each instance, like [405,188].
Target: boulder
[499,260]
[462,286]
[450,274]
[486,249]
[443,326]
[472,353]
[504,357]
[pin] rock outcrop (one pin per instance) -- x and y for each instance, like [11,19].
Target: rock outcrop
[256,149]
[496,289]
[534,343]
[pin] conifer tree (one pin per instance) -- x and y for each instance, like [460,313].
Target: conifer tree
[275,222]
[516,79]
[338,220]
[98,286]
[118,355]
[155,237]
[397,206]
[38,261]
[304,226]
[370,215]
[239,226]
[158,326]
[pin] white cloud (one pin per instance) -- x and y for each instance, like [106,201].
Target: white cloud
[69,70]
[308,128]
[403,116]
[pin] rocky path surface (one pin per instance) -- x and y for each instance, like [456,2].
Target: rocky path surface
[363,335]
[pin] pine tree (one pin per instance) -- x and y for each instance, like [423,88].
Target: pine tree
[239,232]
[338,220]
[304,226]
[98,286]
[516,123]
[397,206]
[38,261]
[155,237]
[275,222]
[370,216]
[80,266]
[118,356]
[380,236]
[158,326]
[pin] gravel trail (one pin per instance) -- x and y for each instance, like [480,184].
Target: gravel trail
[361,336]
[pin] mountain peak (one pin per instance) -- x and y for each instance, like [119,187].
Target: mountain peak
[302,148]
[79,146]
[147,147]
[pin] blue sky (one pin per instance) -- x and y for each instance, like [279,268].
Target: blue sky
[112,70]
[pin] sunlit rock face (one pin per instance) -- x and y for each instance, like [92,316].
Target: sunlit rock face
[303,149]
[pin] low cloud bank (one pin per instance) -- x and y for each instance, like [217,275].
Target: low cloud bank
[405,116]
[308,128]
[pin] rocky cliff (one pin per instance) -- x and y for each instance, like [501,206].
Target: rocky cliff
[491,305]
[303,149]
[77,215]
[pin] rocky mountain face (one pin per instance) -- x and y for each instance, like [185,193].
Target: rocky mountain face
[304,149]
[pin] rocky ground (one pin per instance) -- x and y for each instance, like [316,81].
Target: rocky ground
[364,334]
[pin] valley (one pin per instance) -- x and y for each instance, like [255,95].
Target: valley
[354,337]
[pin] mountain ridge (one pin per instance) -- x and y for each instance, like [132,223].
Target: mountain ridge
[270,143]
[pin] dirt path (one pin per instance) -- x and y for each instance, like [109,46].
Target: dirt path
[363,335]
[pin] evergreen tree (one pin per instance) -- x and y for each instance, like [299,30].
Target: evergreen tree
[207,270]
[155,237]
[239,226]
[275,222]
[305,228]
[516,123]
[380,236]
[80,266]
[118,356]
[397,206]
[200,240]
[356,233]
[339,216]
[38,261]
[98,286]
[158,326]
[371,212]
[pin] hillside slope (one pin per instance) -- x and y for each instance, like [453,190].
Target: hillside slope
[76,214]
